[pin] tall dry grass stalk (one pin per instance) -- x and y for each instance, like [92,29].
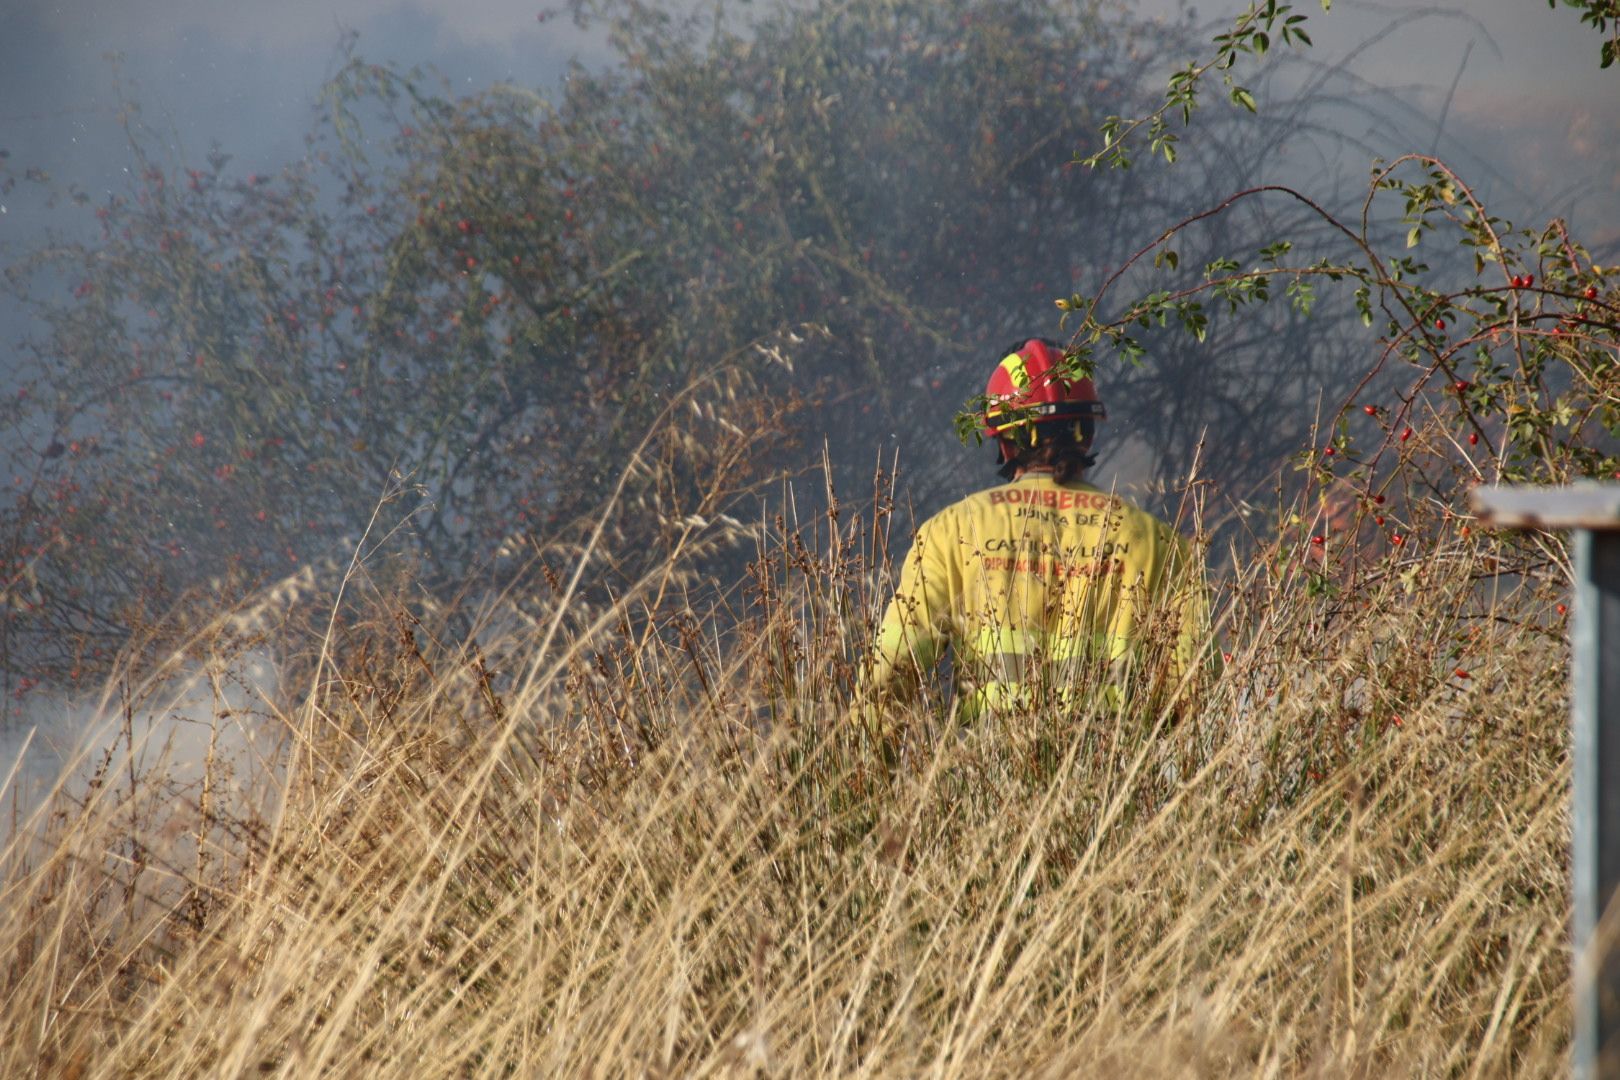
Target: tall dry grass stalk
[657,847]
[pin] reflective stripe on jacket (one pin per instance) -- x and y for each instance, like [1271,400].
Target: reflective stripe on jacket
[1036,576]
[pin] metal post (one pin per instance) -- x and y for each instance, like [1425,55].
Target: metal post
[1593,512]
[1597,795]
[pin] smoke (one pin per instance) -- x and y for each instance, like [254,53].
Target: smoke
[208,732]
[301,24]
[1513,84]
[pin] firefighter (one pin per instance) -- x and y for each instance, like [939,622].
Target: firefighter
[1046,580]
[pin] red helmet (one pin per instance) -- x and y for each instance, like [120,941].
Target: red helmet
[1028,387]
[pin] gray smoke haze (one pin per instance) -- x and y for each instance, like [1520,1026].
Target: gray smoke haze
[1515,84]
[1508,85]
[1528,96]
[201,723]
[1510,88]
[243,75]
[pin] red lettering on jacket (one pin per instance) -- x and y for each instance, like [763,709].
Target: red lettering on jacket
[1057,500]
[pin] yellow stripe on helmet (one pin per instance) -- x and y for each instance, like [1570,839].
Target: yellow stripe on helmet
[1013,365]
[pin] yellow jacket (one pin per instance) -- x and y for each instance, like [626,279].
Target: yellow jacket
[1036,576]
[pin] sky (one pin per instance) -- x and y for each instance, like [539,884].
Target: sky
[1529,97]
[246,74]
[243,74]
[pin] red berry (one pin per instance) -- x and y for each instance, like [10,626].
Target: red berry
[198,439]
[1407,434]
[1397,539]
[1473,438]
[1518,282]
[1529,280]
[1370,410]
[1591,292]
[1318,540]
[1328,451]
[1563,609]
[1461,674]
[1378,500]
[1439,324]
[1378,519]
[1461,386]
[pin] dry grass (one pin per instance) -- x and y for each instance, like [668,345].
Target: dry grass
[656,848]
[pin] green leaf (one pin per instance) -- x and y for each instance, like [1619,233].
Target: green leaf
[1193,319]
[1242,97]
[1303,295]
[1272,252]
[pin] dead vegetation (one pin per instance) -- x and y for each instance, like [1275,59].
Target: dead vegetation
[652,844]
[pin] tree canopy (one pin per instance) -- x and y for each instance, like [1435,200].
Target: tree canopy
[520,316]
[481,306]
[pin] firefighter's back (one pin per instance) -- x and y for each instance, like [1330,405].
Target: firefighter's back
[1042,573]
